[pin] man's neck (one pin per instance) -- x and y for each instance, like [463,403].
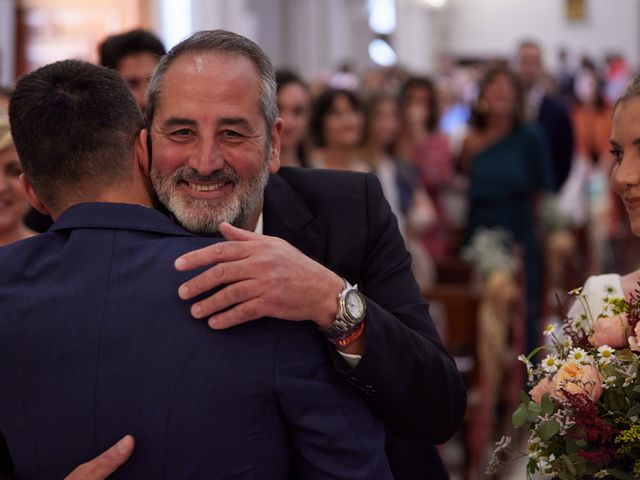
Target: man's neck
[135,196]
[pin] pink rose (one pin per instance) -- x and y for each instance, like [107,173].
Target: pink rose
[634,343]
[612,331]
[544,386]
[577,379]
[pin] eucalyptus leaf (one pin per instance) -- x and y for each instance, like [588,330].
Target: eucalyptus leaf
[546,405]
[569,464]
[524,397]
[532,415]
[633,411]
[519,417]
[548,429]
[571,445]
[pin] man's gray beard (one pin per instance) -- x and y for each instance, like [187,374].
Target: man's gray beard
[203,216]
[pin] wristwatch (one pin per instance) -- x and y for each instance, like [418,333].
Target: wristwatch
[351,312]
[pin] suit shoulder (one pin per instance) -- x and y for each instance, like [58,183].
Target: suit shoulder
[553,106]
[328,182]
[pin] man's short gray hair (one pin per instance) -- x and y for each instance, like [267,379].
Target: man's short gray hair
[223,42]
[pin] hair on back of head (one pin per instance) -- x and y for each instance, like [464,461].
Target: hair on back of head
[74,126]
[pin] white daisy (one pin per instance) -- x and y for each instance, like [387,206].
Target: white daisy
[549,330]
[606,354]
[580,356]
[609,382]
[550,363]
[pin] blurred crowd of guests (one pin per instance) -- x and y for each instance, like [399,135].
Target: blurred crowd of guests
[504,144]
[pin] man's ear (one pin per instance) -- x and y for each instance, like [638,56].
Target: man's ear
[33,197]
[276,144]
[142,151]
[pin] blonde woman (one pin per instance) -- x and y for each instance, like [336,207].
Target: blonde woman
[13,200]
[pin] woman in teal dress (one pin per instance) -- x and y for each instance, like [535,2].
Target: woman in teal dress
[509,166]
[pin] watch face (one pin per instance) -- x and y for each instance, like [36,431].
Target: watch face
[354,304]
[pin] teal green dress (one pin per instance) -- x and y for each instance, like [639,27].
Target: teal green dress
[505,180]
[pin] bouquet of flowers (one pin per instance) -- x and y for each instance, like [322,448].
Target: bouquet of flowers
[583,408]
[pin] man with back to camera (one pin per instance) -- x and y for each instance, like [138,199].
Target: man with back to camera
[133,55]
[94,339]
[212,111]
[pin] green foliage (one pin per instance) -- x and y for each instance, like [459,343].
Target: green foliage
[548,429]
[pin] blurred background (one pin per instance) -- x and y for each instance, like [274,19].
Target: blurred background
[487,122]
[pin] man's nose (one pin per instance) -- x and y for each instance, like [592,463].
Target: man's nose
[208,157]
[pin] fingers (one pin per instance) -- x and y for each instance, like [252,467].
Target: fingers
[228,296]
[218,252]
[106,463]
[230,232]
[219,274]
[241,313]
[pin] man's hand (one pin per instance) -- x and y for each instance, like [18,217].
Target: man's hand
[264,277]
[106,463]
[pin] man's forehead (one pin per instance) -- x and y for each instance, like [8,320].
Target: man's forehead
[211,62]
[205,87]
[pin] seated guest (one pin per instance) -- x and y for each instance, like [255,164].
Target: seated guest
[133,55]
[13,200]
[294,107]
[336,125]
[95,342]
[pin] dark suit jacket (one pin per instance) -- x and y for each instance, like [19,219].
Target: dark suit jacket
[95,343]
[554,118]
[405,376]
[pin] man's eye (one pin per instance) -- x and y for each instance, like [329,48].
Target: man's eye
[231,134]
[183,132]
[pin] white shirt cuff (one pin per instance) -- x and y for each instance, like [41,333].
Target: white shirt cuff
[351,359]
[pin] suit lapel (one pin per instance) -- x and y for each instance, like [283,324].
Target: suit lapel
[287,216]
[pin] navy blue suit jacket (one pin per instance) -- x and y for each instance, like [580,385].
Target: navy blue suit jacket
[554,118]
[95,343]
[406,376]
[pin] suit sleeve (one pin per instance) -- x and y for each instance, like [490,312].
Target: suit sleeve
[332,432]
[406,376]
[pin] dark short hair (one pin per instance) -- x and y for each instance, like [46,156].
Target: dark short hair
[478,118]
[74,125]
[433,104]
[287,77]
[115,47]
[322,107]
[226,43]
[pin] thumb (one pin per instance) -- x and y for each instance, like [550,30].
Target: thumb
[106,463]
[230,232]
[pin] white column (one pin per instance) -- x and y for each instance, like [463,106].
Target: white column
[7,41]
[416,39]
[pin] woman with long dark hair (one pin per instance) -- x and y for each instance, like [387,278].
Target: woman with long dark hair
[509,166]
